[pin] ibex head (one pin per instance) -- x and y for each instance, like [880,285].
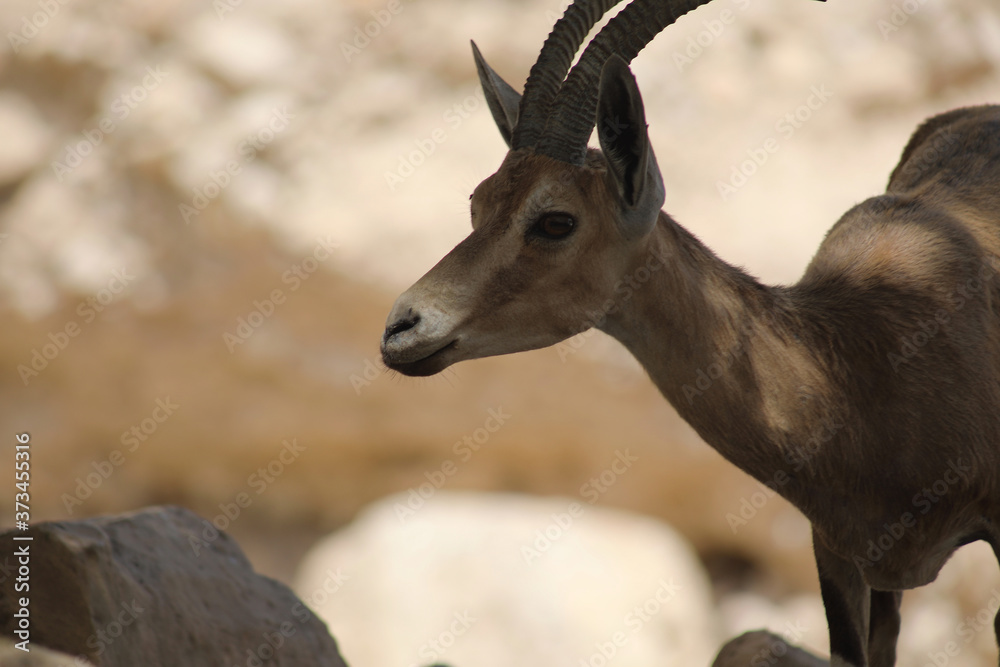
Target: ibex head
[558,225]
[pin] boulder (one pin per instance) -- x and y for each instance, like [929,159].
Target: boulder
[498,579]
[760,647]
[159,587]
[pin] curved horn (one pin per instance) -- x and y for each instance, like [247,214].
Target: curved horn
[550,68]
[572,115]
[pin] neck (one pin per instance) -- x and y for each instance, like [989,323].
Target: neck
[721,347]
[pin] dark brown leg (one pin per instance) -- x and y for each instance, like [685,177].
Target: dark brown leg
[847,599]
[883,628]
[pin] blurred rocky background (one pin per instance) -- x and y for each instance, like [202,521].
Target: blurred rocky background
[207,209]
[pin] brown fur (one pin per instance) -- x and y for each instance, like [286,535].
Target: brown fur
[885,357]
[868,393]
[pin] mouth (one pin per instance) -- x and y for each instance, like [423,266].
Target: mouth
[435,362]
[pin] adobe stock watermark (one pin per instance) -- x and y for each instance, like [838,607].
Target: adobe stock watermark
[967,629]
[88,311]
[926,157]
[121,107]
[774,653]
[624,291]
[464,450]
[898,17]
[634,621]
[263,309]
[786,126]
[272,641]
[106,636]
[132,439]
[705,377]
[556,12]
[797,458]
[364,34]
[435,648]
[426,146]
[370,371]
[713,28]
[926,330]
[32,25]
[258,482]
[224,7]
[924,500]
[333,582]
[591,491]
[246,152]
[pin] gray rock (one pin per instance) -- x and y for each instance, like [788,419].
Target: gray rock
[764,648]
[160,587]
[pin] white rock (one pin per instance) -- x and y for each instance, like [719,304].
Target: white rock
[67,223]
[241,49]
[494,580]
[927,627]
[954,613]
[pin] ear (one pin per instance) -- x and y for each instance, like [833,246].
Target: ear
[621,129]
[501,98]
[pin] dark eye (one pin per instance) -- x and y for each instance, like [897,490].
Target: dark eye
[554,225]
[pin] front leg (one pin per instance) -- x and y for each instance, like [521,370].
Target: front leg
[884,628]
[847,599]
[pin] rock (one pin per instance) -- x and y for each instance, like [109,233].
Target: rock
[36,657]
[160,587]
[764,648]
[242,50]
[498,579]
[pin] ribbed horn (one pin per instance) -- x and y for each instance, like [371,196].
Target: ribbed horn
[572,115]
[550,68]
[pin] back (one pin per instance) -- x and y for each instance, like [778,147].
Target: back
[906,287]
[953,160]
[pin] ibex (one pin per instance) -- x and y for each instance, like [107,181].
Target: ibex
[867,394]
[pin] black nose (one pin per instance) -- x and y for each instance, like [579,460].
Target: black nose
[403,324]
